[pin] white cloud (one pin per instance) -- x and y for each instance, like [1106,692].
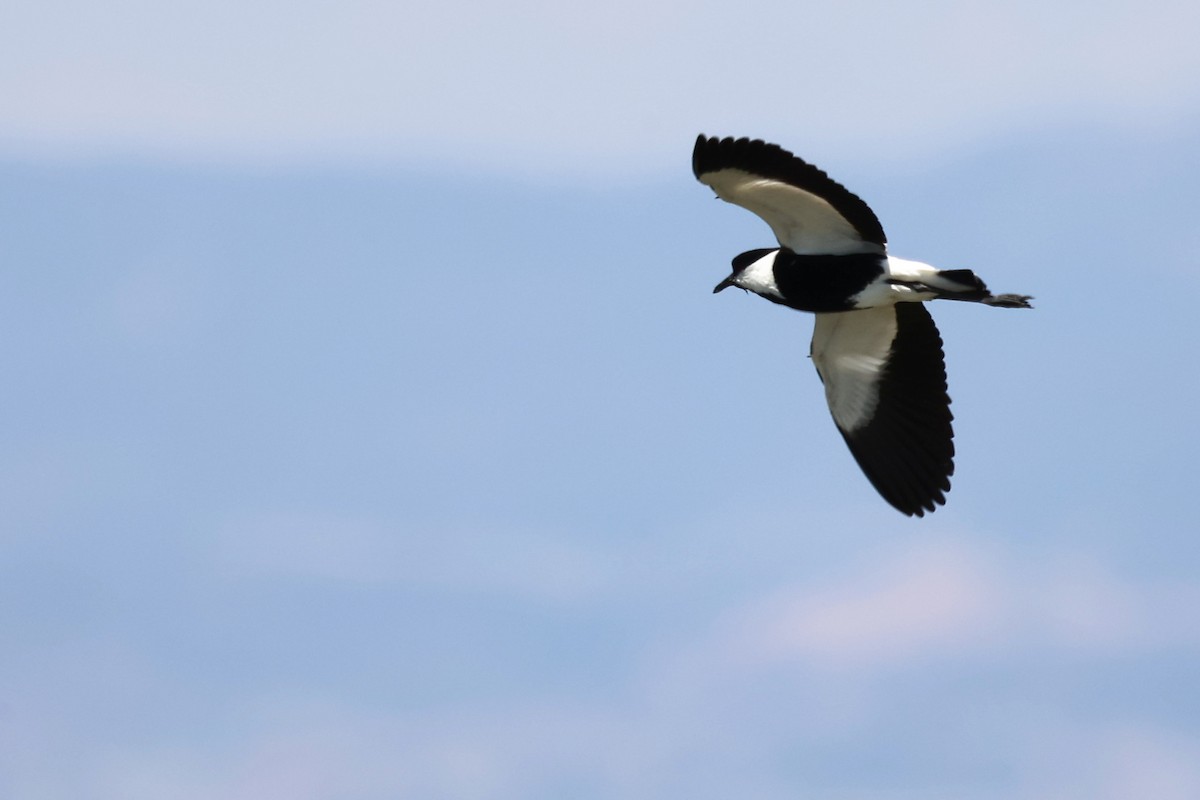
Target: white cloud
[944,600]
[933,599]
[1143,762]
[938,599]
[1111,761]
[530,86]
[634,748]
[701,713]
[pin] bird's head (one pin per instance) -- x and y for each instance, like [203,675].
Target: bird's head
[753,271]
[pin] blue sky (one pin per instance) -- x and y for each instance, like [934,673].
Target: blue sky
[373,431]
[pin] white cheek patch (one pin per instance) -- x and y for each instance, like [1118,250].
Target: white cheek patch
[759,277]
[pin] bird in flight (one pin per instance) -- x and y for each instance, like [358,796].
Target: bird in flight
[875,347]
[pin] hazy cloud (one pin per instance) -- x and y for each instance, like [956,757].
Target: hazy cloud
[530,87]
[320,546]
[949,600]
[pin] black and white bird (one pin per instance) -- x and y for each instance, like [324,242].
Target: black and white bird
[874,345]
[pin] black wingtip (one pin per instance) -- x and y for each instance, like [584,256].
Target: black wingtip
[701,142]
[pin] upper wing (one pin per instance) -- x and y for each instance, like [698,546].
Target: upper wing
[885,381]
[810,213]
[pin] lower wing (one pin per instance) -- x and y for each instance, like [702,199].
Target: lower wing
[885,382]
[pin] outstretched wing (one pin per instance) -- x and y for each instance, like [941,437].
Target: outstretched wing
[810,213]
[885,381]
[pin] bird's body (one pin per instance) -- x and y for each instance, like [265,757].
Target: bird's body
[875,346]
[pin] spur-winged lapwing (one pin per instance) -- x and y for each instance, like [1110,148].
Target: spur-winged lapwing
[875,346]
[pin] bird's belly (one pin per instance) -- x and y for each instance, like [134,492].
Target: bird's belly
[885,292]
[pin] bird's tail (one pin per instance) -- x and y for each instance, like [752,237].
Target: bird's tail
[963,284]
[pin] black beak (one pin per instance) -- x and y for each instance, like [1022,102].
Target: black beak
[725,284]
